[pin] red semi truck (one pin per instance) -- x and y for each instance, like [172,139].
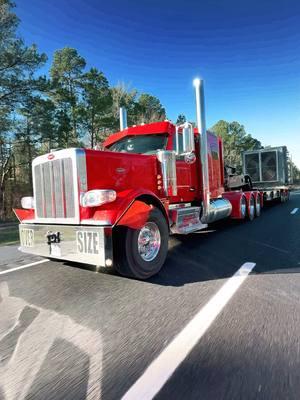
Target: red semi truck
[118,206]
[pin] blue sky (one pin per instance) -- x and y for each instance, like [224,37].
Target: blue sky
[248,52]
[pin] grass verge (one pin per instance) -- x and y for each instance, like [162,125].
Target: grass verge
[9,234]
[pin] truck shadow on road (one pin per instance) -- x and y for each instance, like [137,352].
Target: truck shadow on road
[219,252]
[34,344]
[195,258]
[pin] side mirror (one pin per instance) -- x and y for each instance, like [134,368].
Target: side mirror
[188,138]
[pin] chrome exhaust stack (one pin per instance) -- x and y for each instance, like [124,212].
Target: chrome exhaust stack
[123,118]
[201,124]
[216,209]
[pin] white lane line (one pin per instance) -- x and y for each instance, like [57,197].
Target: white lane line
[23,266]
[162,368]
[294,210]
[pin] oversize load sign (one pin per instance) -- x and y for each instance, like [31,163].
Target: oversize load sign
[89,242]
[27,237]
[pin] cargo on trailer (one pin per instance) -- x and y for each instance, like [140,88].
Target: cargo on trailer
[269,171]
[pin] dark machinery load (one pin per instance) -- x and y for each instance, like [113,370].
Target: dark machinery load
[267,167]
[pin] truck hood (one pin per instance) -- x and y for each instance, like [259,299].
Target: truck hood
[121,171]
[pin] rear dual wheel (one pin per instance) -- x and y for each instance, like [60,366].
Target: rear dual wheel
[251,208]
[243,207]
[140,253]
[257,205]
[284,196]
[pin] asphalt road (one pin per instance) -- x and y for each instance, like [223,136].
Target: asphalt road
[67,332]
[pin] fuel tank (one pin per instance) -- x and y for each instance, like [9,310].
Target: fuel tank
[219,209]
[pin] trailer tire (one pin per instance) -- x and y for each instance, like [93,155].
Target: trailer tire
[243,207]
[258,205]
[251,208]
[140,253]
[284,196]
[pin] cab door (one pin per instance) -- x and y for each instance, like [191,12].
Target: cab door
[186,176]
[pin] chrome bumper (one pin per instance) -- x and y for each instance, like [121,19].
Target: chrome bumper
[83,244]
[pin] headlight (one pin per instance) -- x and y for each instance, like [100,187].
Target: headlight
[27,202]
[94,198]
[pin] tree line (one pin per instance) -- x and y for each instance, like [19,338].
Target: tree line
[70,106]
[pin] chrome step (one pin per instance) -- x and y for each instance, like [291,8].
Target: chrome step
[185,220]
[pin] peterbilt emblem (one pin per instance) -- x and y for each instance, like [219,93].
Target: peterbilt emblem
[190,158]
[51,156]
[120,170]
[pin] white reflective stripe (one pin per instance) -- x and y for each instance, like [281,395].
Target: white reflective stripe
[23,266]
[162,368]
[294,211]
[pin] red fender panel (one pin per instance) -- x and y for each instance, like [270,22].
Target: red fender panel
[256,194]
[23,214]
[248,196]
[136,216]
[235,200]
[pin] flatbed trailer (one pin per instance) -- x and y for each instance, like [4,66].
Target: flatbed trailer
[281,193]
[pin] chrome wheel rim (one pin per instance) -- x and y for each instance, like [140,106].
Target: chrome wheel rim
[243,207]
[252,207]
[149,241]
[257,205]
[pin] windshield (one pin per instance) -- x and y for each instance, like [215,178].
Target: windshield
[141,144]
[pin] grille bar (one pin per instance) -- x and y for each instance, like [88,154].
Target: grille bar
[58,189]
[54,189]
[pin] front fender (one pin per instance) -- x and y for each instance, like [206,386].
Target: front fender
[128,209]
[136,215]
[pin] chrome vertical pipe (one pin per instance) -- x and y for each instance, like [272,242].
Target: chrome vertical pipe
[201,124]
[123,118]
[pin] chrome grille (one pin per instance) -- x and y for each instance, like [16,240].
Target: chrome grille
[54,189]
[69,194]
[58,183]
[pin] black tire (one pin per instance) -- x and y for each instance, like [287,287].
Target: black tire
[251,209]
[243,203]
[284,196]
[127,259]
[258,206]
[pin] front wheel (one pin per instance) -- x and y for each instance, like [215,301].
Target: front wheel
[140,253]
